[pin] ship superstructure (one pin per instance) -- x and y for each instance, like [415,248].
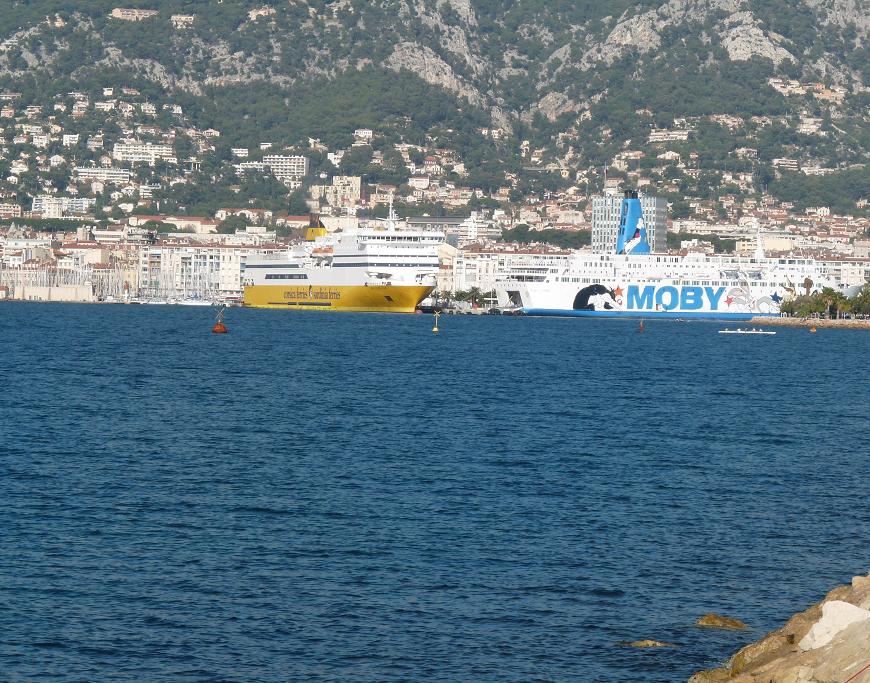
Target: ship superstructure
[632,282]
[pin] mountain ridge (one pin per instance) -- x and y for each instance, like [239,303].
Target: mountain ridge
[452,45]
[580,80]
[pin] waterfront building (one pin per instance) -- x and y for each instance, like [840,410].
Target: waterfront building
[186,268]
[482,266]
[458,230]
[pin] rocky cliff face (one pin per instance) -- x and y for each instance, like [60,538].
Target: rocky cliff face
[514,59]
[828,643]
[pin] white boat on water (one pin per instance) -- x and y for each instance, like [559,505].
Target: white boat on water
[742,331]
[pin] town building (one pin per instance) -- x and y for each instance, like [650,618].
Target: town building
[57,207]
[142,152]
[786,164]
[664,135]
[345,191]
[180,21]
[10,210]
[481,266]
[130,14]
[105,174]
[287,168]
[183,267]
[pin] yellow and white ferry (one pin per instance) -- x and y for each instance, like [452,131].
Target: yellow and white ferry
[375,268]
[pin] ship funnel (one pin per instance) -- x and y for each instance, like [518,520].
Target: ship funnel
[315,227]
[632,238]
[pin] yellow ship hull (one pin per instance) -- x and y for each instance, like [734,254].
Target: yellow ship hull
[374,298]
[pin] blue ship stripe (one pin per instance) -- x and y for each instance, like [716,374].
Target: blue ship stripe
[695,315]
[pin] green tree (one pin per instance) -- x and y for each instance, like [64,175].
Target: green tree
[296,204]
[230,224]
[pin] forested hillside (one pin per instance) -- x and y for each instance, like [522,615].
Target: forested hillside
[581,80]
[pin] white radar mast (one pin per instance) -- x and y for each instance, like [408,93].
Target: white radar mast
[391,216]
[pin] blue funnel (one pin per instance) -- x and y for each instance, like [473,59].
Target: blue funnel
[632,229]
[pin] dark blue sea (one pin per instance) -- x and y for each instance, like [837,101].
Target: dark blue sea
[341,497]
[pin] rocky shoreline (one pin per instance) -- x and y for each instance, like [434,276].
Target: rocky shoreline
[819,323]
[827,643]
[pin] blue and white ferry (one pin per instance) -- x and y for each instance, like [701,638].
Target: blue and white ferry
[633,282]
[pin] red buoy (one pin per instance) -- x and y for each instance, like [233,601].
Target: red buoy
[219,327]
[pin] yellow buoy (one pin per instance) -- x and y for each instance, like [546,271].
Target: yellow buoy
[435,329]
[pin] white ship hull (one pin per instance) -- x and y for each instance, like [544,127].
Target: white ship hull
[663,286]
[643,299]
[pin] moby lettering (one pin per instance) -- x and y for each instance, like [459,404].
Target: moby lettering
[670,297]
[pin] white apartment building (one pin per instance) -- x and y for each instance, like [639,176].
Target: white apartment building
[605,222]
[287,168]
[473,229]
[182,20]
[58,207]
[664,135]
[70,139]
[106,175]
[129,14]
[142,152]
[250,167]
[786,163]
